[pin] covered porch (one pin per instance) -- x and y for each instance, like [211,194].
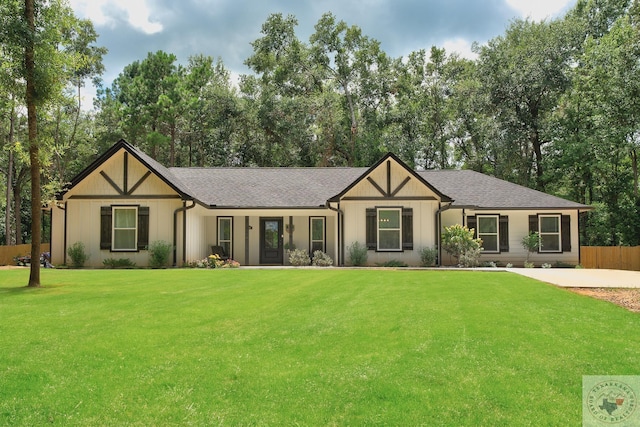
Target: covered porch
[261,237]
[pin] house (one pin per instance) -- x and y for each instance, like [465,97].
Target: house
[125,200]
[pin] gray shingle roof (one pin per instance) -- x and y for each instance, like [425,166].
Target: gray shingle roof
[313,187]
[474,189]
[266,187]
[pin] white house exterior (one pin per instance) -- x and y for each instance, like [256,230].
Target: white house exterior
[125,200]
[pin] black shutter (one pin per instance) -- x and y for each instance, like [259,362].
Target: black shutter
[472,223]
[143,228]
[407,229]
[566,233]
[105,227]
[533,223]
[372,230]
[504,233]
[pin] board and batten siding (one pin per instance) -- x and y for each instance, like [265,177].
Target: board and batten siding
[84,201]
[518,228]
[403,190]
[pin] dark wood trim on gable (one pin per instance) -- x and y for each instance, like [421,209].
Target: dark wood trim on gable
[389,177]
[140,181]
[125,173]
[124,196]
[113,184]
[401,186]
[376,186]
[389,198]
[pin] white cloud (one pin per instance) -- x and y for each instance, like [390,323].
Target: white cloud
[460,46]
[137,13]
[538,9]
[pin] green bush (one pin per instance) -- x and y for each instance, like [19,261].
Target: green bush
[321,259]
[531,242]
[118,263]
[428,256]
[459,242]
[357,254]
[299,257]
[159,252]
[392,263]
[77,254]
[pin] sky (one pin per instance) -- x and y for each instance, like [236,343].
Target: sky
[224,29]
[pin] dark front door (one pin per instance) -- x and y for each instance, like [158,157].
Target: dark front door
[271,241]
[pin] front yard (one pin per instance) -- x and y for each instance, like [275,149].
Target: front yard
[302,347]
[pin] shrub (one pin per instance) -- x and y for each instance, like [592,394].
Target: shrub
[118,263]
[77,254]
[458,241]
[531,243]
[299,257]
[320,259]
[159,252]
[392,263]
[357,254]
[546,265]
[470,258]
[428,256]
[528,264]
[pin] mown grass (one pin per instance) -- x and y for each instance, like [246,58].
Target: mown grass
[302,347]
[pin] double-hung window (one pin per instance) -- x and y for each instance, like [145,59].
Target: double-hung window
[489,232]
[125,228]
[550,233]
[389,229]
[317,233]
[225,234]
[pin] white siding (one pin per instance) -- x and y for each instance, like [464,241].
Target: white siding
[518,228]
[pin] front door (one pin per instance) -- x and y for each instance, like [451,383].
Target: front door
[271,241]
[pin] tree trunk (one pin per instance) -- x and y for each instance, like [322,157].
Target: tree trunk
[7,211]
[29,60]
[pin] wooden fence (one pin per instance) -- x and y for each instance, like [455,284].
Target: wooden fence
[7,253]
[613,257]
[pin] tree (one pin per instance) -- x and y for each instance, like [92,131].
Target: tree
[33,34]
[524,73]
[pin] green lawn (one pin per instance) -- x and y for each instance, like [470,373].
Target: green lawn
[302,347]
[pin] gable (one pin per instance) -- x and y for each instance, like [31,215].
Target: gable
[391,178]
[121,175]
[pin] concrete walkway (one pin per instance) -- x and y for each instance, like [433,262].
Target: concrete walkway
[582,278]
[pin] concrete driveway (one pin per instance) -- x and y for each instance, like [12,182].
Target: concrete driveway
[582,277]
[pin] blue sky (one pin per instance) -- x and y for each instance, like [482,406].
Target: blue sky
[225,28]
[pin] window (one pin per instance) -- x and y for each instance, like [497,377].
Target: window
[389,229]
[549,229]
[372,229]
[225,234]
[125,228]
[491,242]
[316,234]
[488,231]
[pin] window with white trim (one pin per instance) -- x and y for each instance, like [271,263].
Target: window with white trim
[389,229]
[317,234]
[225,234]
[550,233]
[125,228]
[489,232]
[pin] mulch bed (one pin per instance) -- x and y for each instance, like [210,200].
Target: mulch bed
[626,298]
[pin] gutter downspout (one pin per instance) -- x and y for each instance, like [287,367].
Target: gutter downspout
[340,225]
[183,209]
[64,239]
[439,230]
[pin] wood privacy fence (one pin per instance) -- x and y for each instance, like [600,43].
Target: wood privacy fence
[7,253]
[613,257]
